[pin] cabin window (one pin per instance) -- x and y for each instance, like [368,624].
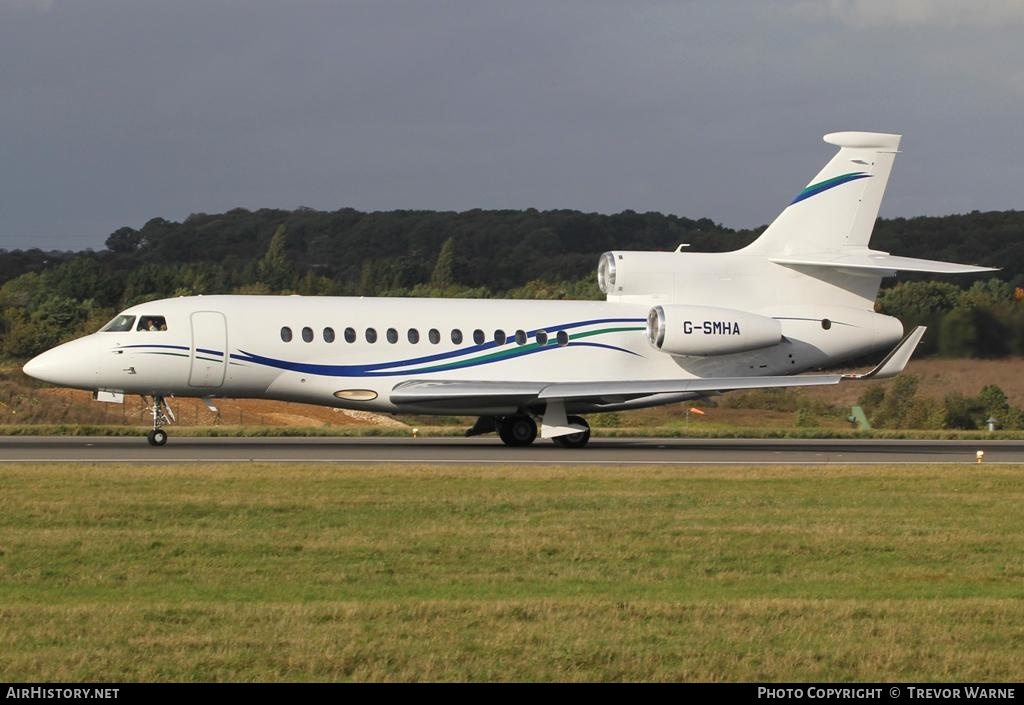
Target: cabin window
[542,337]
[563,338]
[479,337]
[152,323]
[119,325]
[825,323]
[456,336]
[286,334]
[413,335]
[350,335]
[392,336]
[307,334]
[371,335]
[499,337]
[434,336]
[328,335]
[520,337]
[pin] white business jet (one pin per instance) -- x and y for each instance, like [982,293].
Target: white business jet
[675,326]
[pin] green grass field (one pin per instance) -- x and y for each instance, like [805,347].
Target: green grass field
[254,572]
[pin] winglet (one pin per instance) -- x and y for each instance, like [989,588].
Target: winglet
[897,358]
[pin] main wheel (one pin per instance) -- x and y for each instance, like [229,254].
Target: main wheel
[157,437]
[517,431]
[574,440]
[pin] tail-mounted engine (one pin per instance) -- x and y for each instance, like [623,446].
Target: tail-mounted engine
[627,273]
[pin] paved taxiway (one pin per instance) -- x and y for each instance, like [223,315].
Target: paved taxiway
[489,451]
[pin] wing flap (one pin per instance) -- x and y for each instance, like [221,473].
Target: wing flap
[618,391]
[428,391]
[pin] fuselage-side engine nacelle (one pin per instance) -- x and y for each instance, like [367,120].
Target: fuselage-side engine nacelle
[709,330]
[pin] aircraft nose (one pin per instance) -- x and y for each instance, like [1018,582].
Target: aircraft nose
[66,365]
[32,367]
[45,366]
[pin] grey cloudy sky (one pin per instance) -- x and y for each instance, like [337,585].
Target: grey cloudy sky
[116,111]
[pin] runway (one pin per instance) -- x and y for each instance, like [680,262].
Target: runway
[490,451]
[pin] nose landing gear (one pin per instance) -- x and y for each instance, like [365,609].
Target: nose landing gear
[162,416]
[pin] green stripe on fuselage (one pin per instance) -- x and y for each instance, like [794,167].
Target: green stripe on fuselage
[519,350]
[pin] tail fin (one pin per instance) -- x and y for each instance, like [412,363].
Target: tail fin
[838,209]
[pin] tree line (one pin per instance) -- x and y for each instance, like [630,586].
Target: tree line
[46,297]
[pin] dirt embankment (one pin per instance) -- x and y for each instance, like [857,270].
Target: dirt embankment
[939,378]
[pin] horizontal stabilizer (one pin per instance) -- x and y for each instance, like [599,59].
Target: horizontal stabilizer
[876,263]
[864,140]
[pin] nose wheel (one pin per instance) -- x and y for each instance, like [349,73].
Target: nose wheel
[162,416]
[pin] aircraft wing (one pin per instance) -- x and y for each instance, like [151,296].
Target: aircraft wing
[427,392]
[468,393]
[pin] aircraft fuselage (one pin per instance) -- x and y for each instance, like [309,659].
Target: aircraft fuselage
[351,352]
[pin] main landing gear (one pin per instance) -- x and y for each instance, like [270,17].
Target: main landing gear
[574,440]
[517,431]
[520,430]
[162,416]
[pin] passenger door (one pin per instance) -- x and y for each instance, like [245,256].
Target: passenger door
[209,349]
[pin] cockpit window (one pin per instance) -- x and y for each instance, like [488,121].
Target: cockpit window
[119,324]
[152,323]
